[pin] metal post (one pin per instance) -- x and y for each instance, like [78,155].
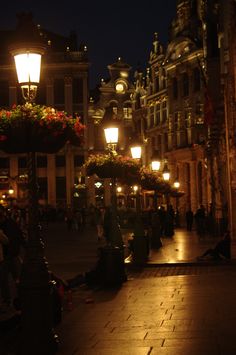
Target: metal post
[37,335]
[140,242]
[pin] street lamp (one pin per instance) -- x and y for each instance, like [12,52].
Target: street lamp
[176,184]
[112,255]
[156,222]
[140,244]
[28,65]
[155,166]
[166,172]
[11,190]
[37,336]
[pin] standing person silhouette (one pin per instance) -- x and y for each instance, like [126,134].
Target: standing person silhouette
[189,219]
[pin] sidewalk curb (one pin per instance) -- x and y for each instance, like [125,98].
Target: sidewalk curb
[183,263]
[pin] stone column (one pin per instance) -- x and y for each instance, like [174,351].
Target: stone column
[68,95]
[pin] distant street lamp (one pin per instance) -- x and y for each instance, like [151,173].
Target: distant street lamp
[37,335]
[166,172]
[156,223]
[176,184]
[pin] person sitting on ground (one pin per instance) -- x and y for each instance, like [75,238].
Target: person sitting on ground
[221,250]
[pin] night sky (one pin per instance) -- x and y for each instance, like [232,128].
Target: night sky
[110,29]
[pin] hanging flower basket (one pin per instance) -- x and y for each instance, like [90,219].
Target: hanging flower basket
[153,181]
[35,128]
[112,166]
[175,193]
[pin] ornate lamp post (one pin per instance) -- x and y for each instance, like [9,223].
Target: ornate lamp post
[37,336]
[111,131]
[176,187]
[140,242]
[113,254]
[155,165]
[156,223]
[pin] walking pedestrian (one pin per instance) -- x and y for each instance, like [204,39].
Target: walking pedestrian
[200,218]
[189,219]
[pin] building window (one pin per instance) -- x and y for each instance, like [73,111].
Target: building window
[127,112]
[151,116]
[61,187]
[157,85]
[196,79]
[175,88]
[185,84]
[164,111]
[77,90]
[42,188]
[78,160]
[158,114]
[42,161]
[4,163]
[59,91]
[176,121]
[22,163]
[4,93]
[60,161]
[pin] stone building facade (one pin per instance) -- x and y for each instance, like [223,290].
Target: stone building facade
[178,109]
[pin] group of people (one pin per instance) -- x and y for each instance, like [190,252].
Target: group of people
[201,219]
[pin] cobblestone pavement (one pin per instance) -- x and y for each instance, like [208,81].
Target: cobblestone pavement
[190,312]
[175,309]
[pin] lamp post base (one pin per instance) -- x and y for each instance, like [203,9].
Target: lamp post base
[140,249]
[112,266]
[37,336]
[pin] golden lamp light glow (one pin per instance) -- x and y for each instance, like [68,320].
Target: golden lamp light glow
[136,152]
[28,67]
[111,135]
[156,165]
